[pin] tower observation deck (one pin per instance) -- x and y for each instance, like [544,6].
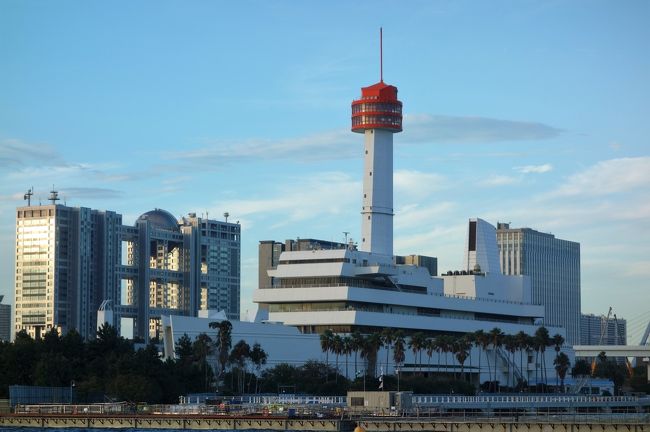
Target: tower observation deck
[378,115]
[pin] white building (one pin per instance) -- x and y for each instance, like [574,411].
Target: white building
[347,290]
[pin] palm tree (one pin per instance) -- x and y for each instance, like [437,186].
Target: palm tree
[562,365]
[558,341]
[388,336]
[202,348]
[430,346]
[398,352]
[239,354]
[483,341]
[371,347]
[462,346]
[337,349]
[258,358]
[510,343]
[446,344]
[542,341]
[496,339]
[416,344]
[224,339]
[522,345]
[356,345]
[347,350]
[326,345]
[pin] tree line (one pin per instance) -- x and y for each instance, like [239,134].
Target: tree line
[366,347]
[108,367]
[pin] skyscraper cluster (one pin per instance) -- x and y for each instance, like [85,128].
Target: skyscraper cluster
[72,260]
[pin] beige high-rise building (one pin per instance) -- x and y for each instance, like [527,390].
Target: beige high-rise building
[64,262]
[553,266]
[70,264]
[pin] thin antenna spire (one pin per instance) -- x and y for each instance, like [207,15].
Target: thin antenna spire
[381,55]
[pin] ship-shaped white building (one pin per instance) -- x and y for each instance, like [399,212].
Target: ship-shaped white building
[347,288]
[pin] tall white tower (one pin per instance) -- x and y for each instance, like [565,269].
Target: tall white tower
[378,115]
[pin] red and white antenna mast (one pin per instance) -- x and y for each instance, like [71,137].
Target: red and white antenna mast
[381,55]
[378,115]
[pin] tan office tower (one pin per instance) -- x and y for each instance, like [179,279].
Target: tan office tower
[64,262]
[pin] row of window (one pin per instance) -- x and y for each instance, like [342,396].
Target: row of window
[385,107]
[379,119]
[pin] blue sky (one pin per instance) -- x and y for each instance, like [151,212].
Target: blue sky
[534,113]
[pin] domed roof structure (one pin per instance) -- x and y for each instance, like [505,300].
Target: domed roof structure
[160,219]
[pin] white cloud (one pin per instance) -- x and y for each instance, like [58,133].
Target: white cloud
[609,177]
[498,180]
[419,216]
[15,152]
[417,184]
[342,144]
[534,169]
[321,195]
[336,144]
[468,129]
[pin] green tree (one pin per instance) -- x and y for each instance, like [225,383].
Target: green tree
[183,349]
[326,339]
[542,341]
[356,345]
[562,365]
[239,355]
[496,340]
[462,348]
[388,337]
[224,343]
[482,341]
[258,358]
[202,348]
[416,344]
[371,347]
[337,349]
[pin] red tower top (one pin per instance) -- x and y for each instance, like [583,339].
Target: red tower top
[378,107]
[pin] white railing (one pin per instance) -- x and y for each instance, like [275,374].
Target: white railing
[516,399]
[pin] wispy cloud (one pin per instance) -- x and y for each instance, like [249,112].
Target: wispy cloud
[321,196]
[16,153]
[87,193]
[534,169]
[467,129]
[417,184]
[608,177]
[498,180]
[338,144]
[341,144]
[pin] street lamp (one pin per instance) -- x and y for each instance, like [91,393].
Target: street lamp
[397,370]
[72,386]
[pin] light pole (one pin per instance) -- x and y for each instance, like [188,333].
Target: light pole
[72,386]
[397,370]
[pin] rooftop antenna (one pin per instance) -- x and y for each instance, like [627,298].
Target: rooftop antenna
[345,233]
[225,215]
[28,196]
[381,55]
[54,196]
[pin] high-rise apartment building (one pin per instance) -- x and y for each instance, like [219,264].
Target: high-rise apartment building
[553,266]
[5,321]
[64,261]
[70,261]
[598,330]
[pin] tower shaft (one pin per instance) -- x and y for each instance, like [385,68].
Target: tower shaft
[377,209]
